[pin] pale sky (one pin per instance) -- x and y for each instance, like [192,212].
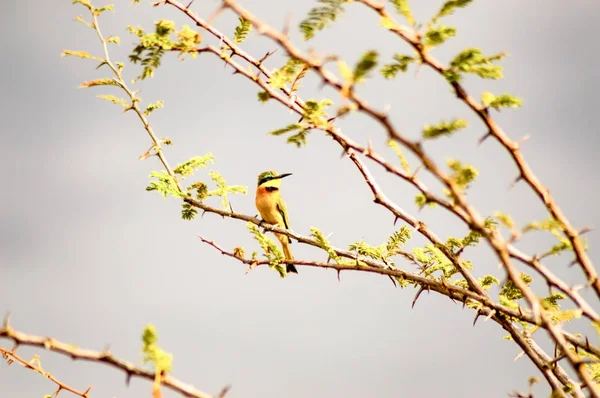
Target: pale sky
[89,257]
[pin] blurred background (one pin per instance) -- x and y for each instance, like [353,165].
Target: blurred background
[89,257]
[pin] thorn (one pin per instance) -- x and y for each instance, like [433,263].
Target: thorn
[512,184]
[224,391]
[189,4]
[267,55]
[214,15]
[585,230]
[414,175]
[393,280]
[417,296]
[128,379]
[491,314]
[6,323]
[477,314]
[339,271]
[396,220]
[369,147]
[572,263]
[522,140]
[519,356]
[231,208]
[485,137]
[286,25]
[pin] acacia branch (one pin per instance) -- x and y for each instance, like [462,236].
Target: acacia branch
[512,147]
[105,357]
[493,237]
[11,357]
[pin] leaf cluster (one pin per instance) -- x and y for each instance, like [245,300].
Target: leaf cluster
[161,360]
[152,46]
[270,249]
[321,17]
[401,65]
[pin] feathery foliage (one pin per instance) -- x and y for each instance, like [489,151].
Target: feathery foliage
[321,17]
[270,249]
[242,30]
[401,65]
[161,360]
[403,8]
[444,128]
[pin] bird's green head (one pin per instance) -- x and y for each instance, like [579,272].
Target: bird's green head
[271,178]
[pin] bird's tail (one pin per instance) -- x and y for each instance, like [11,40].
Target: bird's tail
[287,252]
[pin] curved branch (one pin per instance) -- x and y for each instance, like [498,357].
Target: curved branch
[105,357]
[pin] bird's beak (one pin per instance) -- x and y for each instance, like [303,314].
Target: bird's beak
[283,175]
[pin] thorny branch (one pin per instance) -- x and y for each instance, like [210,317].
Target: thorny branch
[473,219]
[512,147]
[469,215]
[461,208]
[11,356]
[105,357]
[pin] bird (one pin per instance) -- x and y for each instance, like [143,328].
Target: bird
[273,210]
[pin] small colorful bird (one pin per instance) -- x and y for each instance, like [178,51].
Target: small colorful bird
[272,209]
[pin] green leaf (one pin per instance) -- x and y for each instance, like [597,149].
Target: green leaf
[471,60]
[396,241]
[324,244]
[551,302]
[449,7]
[188,41]
[165,185]
[314,112]
[421,201]
[188,212]
[80,54]
[100,82]
[223,190]
[161,360]
[287,74]
[438,35]
[270,250]
[403,9]
[152,46]
[444,128]
[286,129]
[188,168]
[109,7]
[502,101]
[113,39]
[152,107]
[462,175]
[84,3]
[242,30]
[364,249]
[394,145]
[263,96]
[322,17]
[401,65]
[114,100]
[366,63]
[487,281]
[511,292]
[505,219]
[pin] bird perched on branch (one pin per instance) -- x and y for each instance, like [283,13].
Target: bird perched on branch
[272,209]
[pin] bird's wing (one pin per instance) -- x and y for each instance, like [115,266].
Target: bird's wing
[282,209]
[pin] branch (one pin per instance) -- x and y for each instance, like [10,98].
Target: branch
[130,369]
[11,357]
[511,147]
